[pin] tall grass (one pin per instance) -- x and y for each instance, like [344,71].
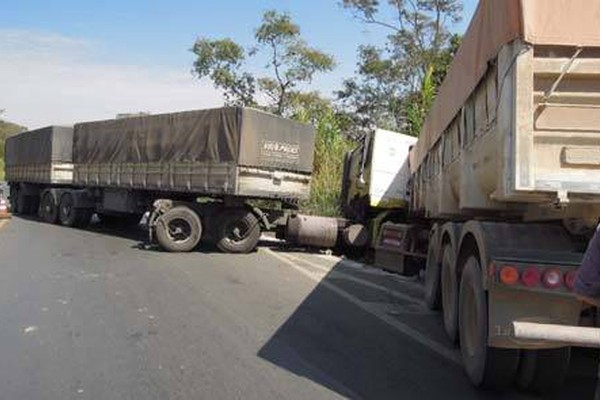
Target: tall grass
[328,167]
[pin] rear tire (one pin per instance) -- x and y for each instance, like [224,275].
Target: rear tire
[543,371]
[179,230]
[71,216]
[238,231]
[449,292]
[486,366]
[49,208]
[67,213]
[432,278]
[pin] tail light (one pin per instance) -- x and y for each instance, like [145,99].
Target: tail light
[531,277]
[552,278]
[570,279]
[509,275]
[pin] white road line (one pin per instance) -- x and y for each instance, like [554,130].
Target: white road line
[415,335]
[3,222]
[366,269]
[342,275]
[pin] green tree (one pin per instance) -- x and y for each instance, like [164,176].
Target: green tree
[291,63]
[388,89]
[7,129]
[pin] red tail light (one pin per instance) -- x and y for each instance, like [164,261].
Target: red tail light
[509,275]
[552,278]
[531,277]
[570,279]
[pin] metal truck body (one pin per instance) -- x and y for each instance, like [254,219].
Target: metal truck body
[504,190]
[122,168]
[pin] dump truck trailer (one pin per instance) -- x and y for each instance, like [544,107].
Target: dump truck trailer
[193,171]
[505,187]
[503,191]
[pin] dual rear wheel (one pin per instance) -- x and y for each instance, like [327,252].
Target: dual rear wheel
[539,371]
[180,229]
[464,306]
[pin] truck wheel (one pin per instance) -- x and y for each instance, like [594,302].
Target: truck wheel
[486,366]
[179,230]
[71,216]
[432,278]
[238,232]
[449,293]
[67,214]
[543,371]
[49,209]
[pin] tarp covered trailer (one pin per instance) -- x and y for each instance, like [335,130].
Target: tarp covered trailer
[165,163]
[225,151]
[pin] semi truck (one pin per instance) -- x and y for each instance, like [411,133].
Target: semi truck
[506,176]
[198,174]
[501,191]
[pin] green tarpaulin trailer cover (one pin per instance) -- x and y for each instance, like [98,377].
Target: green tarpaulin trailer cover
[40,156]
[226,135]
[40,146]
[232,150]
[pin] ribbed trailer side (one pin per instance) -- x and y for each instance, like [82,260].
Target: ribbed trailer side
[228,151]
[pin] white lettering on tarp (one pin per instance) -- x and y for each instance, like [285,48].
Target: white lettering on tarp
[280,147]
[280,153]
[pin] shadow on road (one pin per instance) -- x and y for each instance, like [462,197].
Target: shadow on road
[337,345]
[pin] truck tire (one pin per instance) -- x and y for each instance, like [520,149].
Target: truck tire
[543,371]
[486,366]
[432,277]
[179,230]
[49,208]
[449,292]
[68,215]
[238,231]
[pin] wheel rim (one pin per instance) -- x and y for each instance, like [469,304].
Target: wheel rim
[236,231]
[179,230]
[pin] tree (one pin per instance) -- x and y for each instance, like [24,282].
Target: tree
[417,53]
[291,63]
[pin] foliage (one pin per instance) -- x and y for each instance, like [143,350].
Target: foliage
[330,148]
[388,89]
[291,63]
[7,129]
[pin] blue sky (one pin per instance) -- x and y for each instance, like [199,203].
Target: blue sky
[68,60]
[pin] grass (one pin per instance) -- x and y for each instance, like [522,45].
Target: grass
[330,149]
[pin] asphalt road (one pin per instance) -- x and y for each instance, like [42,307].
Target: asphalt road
[87,314]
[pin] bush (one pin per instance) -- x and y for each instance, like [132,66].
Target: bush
[328,166]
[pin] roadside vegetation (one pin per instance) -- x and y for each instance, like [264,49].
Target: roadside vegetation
[7,129]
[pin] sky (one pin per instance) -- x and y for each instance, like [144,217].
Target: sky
[67,61]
